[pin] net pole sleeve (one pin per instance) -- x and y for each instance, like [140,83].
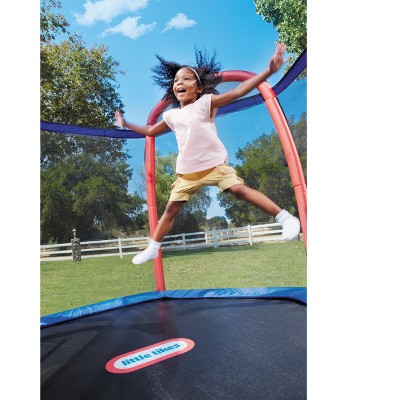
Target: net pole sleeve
[150,163]
[286,139]
[152,208]
[291,154]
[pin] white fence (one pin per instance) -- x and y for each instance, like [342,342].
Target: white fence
[246,235]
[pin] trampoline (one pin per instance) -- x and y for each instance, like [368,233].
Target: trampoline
[248,344]
[238,343]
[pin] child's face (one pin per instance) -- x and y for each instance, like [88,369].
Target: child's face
[186,88]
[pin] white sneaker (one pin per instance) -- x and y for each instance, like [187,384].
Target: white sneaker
[150,253]
[290,228]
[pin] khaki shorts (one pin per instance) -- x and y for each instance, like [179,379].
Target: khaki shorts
[186,185]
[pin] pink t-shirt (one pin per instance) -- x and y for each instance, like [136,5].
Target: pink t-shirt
[198,143]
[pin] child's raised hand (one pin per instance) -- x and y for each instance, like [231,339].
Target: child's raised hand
[118,119]
[277,59]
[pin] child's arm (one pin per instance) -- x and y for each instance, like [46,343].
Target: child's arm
[148,130]
[251,83]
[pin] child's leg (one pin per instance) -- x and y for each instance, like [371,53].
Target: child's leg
[167,220]
[163,227]
[290,224]
[264,203]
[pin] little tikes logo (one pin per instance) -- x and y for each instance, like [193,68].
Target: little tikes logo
[149,355]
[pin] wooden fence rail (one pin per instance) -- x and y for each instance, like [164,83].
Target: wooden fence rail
[246,235]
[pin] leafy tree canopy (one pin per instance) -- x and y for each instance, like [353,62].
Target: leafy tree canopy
[51,23]
[289,18]
[90,195]
[217,223]
[77,86]
[84,180]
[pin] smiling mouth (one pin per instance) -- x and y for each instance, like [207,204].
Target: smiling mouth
[181,90]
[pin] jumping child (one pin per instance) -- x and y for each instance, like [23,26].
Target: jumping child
[202,158]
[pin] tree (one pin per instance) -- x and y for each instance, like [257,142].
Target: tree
[216,223]
[264,167]
[78,85]
[89,195]
[51,24]
[84,180]
[289,18]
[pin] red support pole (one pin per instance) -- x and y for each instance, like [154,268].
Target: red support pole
[291,154]
[286,138]
[152,208]
[150,166]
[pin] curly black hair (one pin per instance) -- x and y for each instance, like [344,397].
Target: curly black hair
[206,67]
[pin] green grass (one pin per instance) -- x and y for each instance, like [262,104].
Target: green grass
[65,284]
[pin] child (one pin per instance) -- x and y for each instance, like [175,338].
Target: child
[202,156]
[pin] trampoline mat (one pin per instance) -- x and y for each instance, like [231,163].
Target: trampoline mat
[244,349]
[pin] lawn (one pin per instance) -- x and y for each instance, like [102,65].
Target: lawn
[66,284]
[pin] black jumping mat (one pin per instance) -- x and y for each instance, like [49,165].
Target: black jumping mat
[243,349]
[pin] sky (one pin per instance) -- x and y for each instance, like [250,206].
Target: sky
[135,31]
